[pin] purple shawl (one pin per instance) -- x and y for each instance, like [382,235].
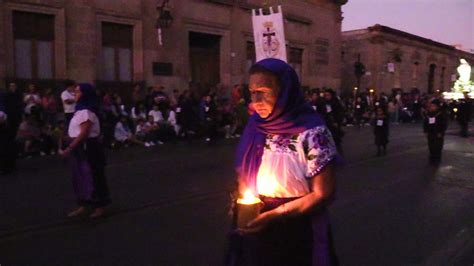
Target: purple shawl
[291,115]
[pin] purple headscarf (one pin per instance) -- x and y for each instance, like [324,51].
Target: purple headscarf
[291,115]
[89,100]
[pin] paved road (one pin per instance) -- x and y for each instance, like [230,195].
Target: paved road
[170,206]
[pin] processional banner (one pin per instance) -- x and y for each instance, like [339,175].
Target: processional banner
[269,34]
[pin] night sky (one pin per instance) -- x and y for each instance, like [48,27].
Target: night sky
[447,21]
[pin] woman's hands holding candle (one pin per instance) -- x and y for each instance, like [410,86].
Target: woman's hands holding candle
[258,223]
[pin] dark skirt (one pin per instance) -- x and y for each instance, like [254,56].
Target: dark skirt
[381,135]
[304,240]
[87,163]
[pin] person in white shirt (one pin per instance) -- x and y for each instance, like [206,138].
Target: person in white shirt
[86,156]
[124,135]
[32,99]
[69,102]
[156,114]
[173,122]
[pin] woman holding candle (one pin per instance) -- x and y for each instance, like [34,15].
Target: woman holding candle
[87,160]
[285,156]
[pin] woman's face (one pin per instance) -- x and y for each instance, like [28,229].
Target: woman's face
[264,90]
[77,93]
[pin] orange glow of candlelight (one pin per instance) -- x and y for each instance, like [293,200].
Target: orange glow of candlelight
[248,198]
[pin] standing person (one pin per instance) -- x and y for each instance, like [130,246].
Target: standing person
[14,106]
[7,140]
[87,159]
[50,107]
[381,130]
[393,110]
[68,99]
[333,113]
[464,115]
[32,101]
[207,113]
[137,96]
[186,116]
[434,127]
[285,156]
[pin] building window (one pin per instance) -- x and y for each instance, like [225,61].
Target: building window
[33,35]
[443,70]
[296,60]
[251,56]
[117,47]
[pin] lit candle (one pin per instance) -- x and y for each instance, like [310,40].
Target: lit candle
[248,208]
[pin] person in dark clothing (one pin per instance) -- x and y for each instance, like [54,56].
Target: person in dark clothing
[434,127]
[207,113]
[381,130]
[464,115]
[332,111]
[14,107]
[186,115]
[7,140]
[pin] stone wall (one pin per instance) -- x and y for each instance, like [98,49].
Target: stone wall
[411,55]
[313,26]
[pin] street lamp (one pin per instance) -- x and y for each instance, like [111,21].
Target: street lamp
[164,19]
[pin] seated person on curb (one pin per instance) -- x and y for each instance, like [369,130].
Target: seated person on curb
[29,135]
[123,134]
[144,133]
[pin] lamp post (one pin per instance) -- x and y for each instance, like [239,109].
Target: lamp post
[164,19]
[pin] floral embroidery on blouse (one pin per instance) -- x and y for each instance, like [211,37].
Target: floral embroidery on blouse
[282,143]
[319,148]
[317,144]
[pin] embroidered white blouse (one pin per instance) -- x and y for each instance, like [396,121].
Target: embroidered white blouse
[288,161]
[80,117]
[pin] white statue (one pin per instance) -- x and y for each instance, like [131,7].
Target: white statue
[463,84]
[464,70]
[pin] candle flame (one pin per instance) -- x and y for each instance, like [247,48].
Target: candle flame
[248,198]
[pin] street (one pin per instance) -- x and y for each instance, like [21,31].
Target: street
[170,206]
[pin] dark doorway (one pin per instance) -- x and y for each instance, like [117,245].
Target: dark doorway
[431,76]
[204,60]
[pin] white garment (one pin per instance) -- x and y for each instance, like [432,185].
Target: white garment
[140,114]
[81,117]
[68,108]
[3,116]
[121,132]
[141,130]
[289,161]
[173,122]
[157,116]
[32,98]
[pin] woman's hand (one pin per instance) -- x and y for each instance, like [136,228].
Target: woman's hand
[66,152]
[259,223]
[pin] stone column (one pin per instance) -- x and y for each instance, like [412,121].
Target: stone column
[81,41]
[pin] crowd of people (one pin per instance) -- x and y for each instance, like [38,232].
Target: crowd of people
[38,119]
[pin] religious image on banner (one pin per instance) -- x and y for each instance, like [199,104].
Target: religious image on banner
[269,35]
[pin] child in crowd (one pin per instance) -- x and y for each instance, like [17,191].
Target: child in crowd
[153,129]
[46,141]
[434,127]
[28,135]
[381,130]
[156,114]
[123,134]
[145,133]
[59,135]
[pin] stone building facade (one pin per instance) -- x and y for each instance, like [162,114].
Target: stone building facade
[114,43]
[394,59]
